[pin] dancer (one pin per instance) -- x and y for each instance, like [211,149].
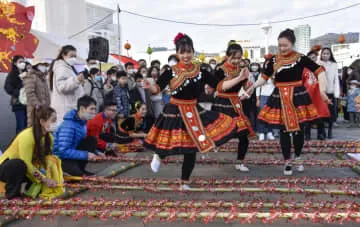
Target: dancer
[312,87]
[184,127]
[228,102]
[290,106]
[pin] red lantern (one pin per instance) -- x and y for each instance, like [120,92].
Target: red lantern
[342,39]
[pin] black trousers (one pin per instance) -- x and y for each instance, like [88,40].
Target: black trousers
[13,173]
[285,142]
[187,166]
[242,147]
[320,130]
[77,167]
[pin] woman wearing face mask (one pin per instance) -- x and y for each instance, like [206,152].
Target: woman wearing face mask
[157,99]
[29,159]
[312,86]
[184,127]
[332,83]
[143,71]
[65,83]
[290,106]
[227,100]
[36,88]
[94,88]
[12,86]
[249,104]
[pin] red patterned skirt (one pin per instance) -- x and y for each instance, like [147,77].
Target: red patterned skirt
[231,105]
[184,127]
[288,108]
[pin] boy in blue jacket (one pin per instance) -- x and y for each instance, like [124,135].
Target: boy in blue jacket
[70,142]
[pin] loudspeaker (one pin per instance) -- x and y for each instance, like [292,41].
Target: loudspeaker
[99,49]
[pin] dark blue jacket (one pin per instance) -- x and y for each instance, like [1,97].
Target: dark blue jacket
[67,137]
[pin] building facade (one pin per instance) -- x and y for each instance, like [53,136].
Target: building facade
[303,35]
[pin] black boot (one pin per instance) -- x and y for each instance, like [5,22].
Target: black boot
[307,132]
[321,135]
[330,136]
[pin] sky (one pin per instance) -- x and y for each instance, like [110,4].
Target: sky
[140,32]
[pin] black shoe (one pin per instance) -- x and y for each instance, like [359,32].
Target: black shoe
[321,136]
[330,134]
[88,174]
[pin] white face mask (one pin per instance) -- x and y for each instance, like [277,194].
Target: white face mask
[353,86]
[88,116]
[172,62]
[132,71]
[21,65]
[42,68]
[144,75]
[71,61]
[213,66]
[52,127]
[95,66]
[254,68]
[113,78]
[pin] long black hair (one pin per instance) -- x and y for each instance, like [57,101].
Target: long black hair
[233,48]
[289,35]
[151,69]
[64,51]
[184,44]
[42,146]
[332,59]
[14,60]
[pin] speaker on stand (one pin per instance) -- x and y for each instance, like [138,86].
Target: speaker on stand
[99,49]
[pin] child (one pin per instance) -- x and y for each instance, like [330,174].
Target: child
[121,94]
[354,113]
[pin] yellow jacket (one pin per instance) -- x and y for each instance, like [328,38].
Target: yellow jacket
[23,148]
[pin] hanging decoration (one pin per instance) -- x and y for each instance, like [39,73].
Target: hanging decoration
[202,57]
[15,36]
[149,51]
[341,39]
[246,54]
[127,47]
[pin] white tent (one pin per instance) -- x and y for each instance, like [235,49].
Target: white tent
[49,46]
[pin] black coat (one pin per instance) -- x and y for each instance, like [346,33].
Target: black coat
[12,86]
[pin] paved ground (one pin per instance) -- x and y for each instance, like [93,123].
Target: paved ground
[7,125]
[172,171]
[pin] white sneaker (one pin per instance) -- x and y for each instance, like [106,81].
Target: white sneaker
[299,168]
[185,187]
[288,170]
[270,136]
[242,168]
[155,163]
[261,136]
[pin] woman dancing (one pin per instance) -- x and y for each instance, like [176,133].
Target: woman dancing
[184,127]
[290,106]
[227,100]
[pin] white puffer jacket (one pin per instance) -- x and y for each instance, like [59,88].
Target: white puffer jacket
[66,89]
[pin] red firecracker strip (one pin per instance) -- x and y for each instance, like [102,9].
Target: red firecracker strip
[232,189]
[264,162]
[188,204]
[171,215]
[345,182]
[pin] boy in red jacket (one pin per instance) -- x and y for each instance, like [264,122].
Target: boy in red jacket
[101,127]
